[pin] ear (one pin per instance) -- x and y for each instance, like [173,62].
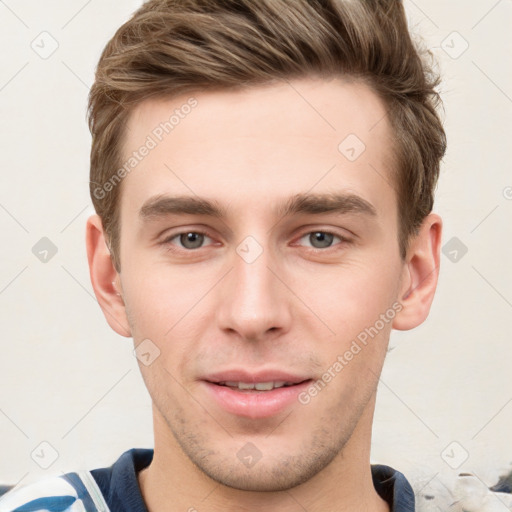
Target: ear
[420,274]
[105,279]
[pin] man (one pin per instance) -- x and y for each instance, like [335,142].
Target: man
[263,177]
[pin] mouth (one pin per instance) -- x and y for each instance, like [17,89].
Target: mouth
[257,386]
[256,395]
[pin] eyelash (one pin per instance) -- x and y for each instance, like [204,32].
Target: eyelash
[167,241]
[343,240]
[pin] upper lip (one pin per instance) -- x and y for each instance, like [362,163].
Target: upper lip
[239,375]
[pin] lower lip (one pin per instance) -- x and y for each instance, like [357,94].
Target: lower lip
[255,404]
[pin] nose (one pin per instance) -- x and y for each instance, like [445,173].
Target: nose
[254,302]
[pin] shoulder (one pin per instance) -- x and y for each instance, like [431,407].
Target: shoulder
[393,487]
[72,492]
[99,490]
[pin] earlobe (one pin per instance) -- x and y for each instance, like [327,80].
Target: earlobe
[421,271]
[104,277]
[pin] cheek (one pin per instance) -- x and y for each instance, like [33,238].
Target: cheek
[169,306]
[161,297]
[351,297]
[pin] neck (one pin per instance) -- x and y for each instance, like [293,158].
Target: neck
[172,483]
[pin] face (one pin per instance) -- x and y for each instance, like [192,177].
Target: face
[259,249]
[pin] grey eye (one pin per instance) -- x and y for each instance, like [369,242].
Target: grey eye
[321,239]
[191,240]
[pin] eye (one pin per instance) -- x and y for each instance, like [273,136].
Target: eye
[189,239]
[321,239]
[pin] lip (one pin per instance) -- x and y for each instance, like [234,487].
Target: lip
[242,375]
[254,404]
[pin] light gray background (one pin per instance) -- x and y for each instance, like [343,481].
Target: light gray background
[69,381]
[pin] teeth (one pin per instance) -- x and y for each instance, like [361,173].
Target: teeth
[264,386]
[259,386]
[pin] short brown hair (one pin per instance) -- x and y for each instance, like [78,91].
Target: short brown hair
[172,47]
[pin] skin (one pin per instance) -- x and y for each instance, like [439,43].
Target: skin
[297,307]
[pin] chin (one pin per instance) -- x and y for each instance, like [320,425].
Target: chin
[262,480]
[271,473]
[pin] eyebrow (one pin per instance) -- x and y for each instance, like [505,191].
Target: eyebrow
[316,204]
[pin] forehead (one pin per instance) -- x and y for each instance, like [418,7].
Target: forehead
[250,147]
